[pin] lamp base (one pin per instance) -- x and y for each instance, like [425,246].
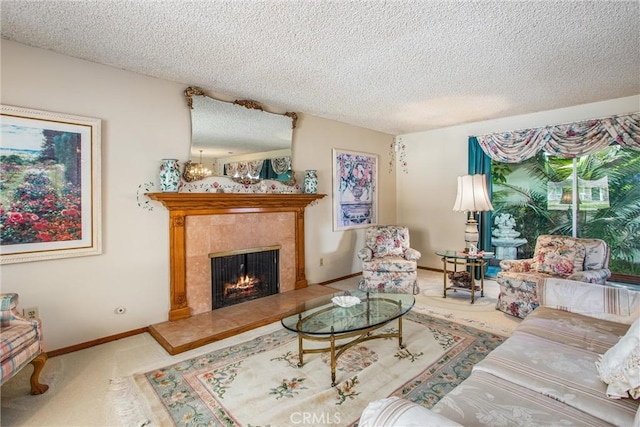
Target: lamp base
[471,234]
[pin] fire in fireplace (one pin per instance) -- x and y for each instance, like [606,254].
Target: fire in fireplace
[243,275]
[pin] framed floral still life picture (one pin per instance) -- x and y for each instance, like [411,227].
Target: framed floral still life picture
[50,182]
[355,191]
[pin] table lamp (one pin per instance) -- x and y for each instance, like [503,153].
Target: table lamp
[472,197]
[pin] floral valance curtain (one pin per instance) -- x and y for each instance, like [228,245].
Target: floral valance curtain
[250,169]
[276,168]
[281,165]
[566,140]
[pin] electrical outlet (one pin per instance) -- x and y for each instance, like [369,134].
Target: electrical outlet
[321,262]
[31,313]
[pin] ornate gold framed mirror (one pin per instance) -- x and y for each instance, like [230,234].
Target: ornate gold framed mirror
[238,140]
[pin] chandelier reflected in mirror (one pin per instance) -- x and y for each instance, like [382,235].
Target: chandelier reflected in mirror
[195,171]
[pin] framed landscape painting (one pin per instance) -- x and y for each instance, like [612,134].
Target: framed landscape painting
[50,185]
[355,189]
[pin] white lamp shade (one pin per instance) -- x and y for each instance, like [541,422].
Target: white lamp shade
[472,194]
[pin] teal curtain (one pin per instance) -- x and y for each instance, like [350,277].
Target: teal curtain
[480,163]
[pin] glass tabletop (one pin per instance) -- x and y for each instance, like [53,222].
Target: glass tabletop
[323,317]
[463,255]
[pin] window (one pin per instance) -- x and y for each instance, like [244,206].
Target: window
[544,198]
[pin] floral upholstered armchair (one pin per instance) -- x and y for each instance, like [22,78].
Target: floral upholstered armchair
[20,343]
[388,263]
[565,257]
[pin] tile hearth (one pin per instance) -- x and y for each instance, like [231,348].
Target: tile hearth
[181,335]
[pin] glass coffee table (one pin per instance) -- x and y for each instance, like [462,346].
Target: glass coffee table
[325,321]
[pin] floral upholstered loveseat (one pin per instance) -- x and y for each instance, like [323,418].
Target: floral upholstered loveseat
[20,343]
[565,257]
[569,363]
[388,263]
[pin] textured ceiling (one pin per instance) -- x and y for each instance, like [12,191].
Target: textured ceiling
[393,66]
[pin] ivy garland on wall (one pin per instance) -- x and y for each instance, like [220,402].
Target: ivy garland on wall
[397,146]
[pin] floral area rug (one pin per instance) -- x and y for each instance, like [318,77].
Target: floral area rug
[258,382]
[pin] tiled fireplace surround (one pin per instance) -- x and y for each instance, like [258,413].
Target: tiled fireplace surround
[204,223]
[207,234]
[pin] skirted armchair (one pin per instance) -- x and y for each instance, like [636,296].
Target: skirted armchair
[388,263]
[20,343]
[564,257]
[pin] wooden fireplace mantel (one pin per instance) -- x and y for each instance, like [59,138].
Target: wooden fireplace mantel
[181,205]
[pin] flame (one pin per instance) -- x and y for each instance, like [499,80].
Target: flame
[244,283]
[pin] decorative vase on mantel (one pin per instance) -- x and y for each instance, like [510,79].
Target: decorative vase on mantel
[169,176]
[310,181]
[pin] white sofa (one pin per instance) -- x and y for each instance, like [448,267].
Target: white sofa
[551,371]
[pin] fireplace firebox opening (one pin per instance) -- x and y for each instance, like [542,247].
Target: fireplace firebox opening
[243,275]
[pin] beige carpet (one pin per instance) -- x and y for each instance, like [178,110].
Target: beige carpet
[456,306]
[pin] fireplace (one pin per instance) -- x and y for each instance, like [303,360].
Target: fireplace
[243,275]
[200,222]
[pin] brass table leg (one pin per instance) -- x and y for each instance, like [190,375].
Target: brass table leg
[482,278]
[444,277]
[473,280]
[300,350]
[333,359]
